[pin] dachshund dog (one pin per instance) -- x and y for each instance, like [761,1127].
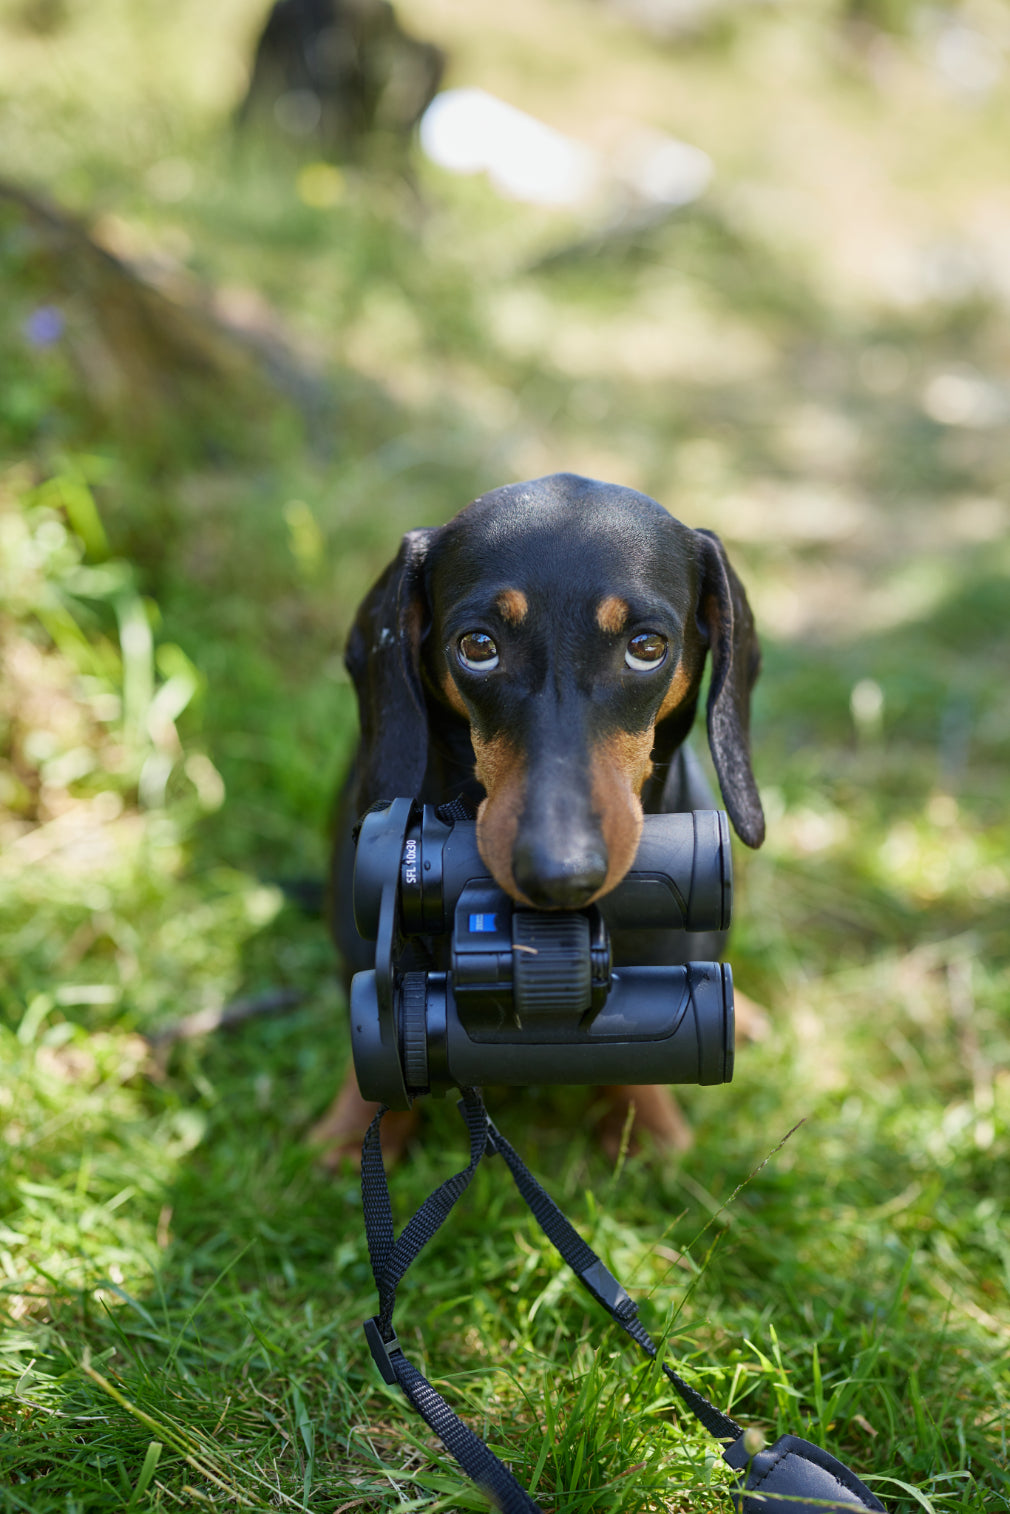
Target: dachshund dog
[541,657]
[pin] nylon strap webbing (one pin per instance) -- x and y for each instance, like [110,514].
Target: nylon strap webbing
[603,1285]
[790,1477]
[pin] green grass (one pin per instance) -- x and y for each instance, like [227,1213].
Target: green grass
[181,1287]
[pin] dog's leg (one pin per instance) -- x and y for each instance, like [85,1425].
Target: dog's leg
[656,1116]
[339,1134]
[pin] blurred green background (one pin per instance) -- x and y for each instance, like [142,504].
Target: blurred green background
[234,367]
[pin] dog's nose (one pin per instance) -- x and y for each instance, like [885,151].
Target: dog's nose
[550,881]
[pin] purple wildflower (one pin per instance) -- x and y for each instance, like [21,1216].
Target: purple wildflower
[44,326]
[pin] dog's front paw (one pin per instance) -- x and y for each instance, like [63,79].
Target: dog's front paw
[340,1132]
[654,1116]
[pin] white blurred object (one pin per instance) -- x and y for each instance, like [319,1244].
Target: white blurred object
[470,131]
[662,170]
[961,396]
[968,61]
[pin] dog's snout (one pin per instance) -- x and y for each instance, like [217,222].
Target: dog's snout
[552,880]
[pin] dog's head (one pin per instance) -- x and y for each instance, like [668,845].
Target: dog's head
[562,627]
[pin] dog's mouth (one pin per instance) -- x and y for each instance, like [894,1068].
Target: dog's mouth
[548,879]
[552,847]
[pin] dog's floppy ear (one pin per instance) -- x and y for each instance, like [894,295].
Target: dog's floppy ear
[725,618]
[383,658]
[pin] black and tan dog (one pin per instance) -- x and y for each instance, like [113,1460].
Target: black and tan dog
[541,655]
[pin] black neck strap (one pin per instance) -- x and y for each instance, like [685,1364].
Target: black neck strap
[790,1477]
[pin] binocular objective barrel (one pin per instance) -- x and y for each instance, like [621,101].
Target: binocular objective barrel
[681,878]
[659,1025]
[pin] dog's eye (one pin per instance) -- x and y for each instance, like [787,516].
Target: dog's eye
[646,651]
[477,651]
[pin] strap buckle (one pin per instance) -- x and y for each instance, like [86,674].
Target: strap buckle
[382,1349]
[606,1290]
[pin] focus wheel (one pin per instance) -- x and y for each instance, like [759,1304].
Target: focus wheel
[552,969]
[414,1031]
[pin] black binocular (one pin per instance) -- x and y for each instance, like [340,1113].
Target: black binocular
[470,987]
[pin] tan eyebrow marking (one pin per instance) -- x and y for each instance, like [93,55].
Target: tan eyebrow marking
[612,614]
[513,605]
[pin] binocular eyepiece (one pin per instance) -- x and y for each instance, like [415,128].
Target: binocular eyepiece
[470,987]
